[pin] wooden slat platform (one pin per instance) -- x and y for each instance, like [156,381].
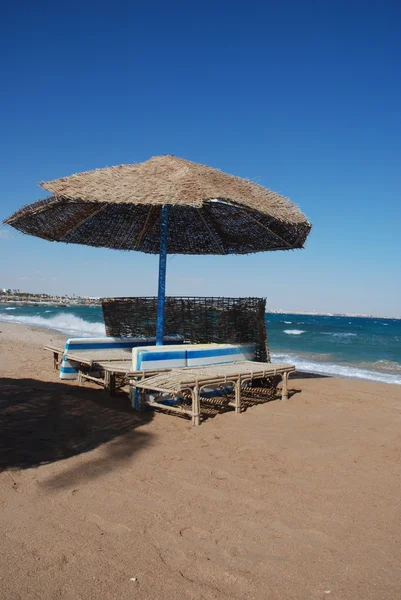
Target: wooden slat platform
[177,381]
[92,356]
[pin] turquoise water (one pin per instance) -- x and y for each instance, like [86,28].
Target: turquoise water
[347,346]
[344,346]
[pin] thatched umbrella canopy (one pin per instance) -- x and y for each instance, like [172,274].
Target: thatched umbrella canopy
[164,203]
[210,212]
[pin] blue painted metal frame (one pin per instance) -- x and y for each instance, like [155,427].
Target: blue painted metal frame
[161,295]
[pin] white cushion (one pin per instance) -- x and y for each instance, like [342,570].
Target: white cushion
[214,354]
[189,355]
[158,357]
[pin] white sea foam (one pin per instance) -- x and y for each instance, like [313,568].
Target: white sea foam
[64,322]
[384,365]
[10,308]
[294,331]
[287,322]
[309,365]
[339,334]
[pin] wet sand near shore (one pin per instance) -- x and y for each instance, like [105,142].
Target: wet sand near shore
[296,500]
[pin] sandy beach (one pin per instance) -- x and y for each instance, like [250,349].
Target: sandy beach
[292,501]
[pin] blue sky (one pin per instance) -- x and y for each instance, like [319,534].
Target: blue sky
[302,97]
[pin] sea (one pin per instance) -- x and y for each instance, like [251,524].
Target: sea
[339,346]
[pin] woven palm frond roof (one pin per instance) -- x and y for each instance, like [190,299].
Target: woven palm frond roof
[120,207]
[174,181]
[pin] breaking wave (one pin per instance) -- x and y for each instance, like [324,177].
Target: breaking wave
[339,335]
[294,331]
[367,371]
[64,322]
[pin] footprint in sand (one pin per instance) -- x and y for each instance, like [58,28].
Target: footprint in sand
[196,534]
[221,475]
[108,526]
[199,538]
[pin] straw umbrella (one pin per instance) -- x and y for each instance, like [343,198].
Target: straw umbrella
[164,204]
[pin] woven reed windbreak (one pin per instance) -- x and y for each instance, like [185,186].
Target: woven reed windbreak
[199,320]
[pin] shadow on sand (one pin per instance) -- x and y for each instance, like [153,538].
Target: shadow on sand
[42,422]
[305,375]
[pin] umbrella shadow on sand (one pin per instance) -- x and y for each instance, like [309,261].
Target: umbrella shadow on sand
[44,422]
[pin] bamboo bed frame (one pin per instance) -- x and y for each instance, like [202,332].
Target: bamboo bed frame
[192,380]
[175,382]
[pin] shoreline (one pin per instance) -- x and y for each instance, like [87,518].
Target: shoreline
[23,333]
[55,304]
[273,312]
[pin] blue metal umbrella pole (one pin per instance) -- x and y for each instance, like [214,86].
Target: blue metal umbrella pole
[161,294]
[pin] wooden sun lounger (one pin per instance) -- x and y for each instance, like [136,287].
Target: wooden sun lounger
[92,357]
[111,363]
[178,381]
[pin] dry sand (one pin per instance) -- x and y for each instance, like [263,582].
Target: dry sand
[297,500]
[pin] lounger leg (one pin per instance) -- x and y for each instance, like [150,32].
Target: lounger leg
[107,381]
[195,407]
[132,394]
[237,390]
[141,394]
[55,360]
[284,390]
[112,384]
